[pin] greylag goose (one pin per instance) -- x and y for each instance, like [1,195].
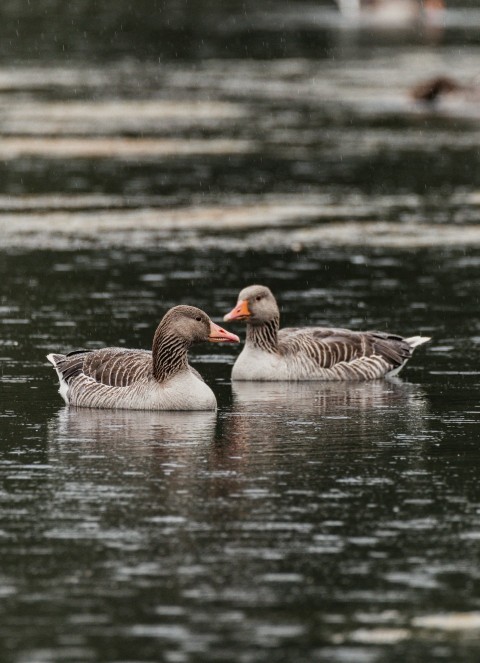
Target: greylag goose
[392,12]
[311,353]
[141,380]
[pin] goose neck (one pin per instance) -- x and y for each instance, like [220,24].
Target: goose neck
[169,355]
[264,336]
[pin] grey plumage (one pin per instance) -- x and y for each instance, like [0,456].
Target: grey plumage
[139,379]
[311,353]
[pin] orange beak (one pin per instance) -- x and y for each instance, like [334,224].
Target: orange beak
[240,312]
[219,335]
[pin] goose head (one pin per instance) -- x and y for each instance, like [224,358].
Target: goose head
[192,325]
[256,305]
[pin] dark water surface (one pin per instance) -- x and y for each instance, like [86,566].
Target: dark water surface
[302,522]
[153,154]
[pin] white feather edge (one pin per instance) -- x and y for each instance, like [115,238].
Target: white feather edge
[415,341]
[63,390]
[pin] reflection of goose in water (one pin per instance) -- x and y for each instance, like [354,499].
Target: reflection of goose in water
[125,478]
[322,397]
[127,449]
[132,428]
[331,411]
[391,12]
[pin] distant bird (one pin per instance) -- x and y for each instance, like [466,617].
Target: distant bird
[391,12]
[162,379]
[311,353]
[433,89]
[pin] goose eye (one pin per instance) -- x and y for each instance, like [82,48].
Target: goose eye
[258,298]
[198,318]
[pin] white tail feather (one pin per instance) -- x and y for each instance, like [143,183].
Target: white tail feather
[414,341]
[51,359]
[63,390]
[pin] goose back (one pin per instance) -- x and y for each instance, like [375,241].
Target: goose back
[114,367]
[343,354]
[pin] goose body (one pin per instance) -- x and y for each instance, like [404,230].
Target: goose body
[311,353]
[119,378]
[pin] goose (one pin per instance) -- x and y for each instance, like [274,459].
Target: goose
[311,353]
[392,12]
[120,378]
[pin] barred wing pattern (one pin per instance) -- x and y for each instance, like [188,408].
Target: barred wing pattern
[123,378]
[111,377]
[114,367]
[340,354]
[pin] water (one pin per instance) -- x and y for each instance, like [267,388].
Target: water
[177,160]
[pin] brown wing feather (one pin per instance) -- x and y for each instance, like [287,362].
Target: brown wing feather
[71,364]
[392,348]
[115,367]
[328,347]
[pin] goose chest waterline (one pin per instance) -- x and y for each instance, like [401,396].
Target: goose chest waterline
[311,353]
[119,378]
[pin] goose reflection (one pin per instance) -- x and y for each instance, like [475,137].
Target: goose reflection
[133,426]
[127,459]
[357,411]
[126,479]
[128,439]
